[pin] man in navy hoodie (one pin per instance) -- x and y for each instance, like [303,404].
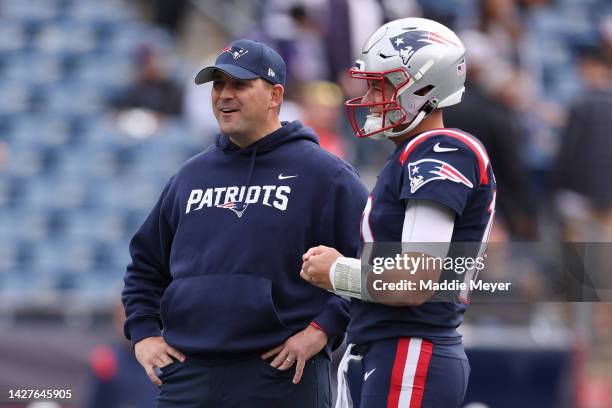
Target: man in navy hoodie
[216,309]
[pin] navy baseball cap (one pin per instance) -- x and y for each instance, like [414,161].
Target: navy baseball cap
[247,59]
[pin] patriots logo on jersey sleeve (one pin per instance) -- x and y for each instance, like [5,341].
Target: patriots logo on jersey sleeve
[235,51]
[237,206]
[409,42]
[423,171]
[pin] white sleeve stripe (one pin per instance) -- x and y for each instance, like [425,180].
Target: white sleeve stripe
[366,231]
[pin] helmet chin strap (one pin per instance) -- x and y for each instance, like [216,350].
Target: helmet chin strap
[374,123]
[419,118]
[427,108]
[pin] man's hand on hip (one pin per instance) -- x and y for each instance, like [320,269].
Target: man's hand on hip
[155,352]
[300,347]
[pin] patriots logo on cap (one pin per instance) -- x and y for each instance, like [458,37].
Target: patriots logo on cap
[236,206]
[409,42]
[235,51]
[423,171]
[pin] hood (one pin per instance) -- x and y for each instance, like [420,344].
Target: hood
[287,133]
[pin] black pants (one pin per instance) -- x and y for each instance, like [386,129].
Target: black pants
[251,383]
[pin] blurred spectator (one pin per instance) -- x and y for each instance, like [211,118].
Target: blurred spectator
[499,130]
[116,378]
[169,14]
[526,79]
[296,33]
[152,89]
[348,26]
[495,75]
[552,74]
[486,114]
[584,161]
[499,20]
[153,96]
[495,43]
[584,198]
[322,102]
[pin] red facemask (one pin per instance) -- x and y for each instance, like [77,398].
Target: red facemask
[390,106]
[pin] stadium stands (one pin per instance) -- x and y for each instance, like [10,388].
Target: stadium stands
[75,187]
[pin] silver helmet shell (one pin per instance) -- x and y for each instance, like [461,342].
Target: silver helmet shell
[425,63]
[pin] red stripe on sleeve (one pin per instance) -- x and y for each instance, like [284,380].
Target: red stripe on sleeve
[483,160]
[454,172]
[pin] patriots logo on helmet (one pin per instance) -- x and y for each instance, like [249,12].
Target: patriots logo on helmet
[423,171]
[236,206]
[235,51]
[409,42]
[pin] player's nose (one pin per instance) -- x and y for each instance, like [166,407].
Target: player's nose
[368,97]
[371,97]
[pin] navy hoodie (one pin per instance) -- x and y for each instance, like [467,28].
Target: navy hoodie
[215,266]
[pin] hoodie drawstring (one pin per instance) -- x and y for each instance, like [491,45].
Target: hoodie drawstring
[248,182]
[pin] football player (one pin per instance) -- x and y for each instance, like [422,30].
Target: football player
[437,187]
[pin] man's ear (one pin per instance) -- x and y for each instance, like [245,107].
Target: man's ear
[277,96]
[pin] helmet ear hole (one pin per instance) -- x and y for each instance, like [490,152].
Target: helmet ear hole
[424,91]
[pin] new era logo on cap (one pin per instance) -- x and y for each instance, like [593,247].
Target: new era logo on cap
[247,59]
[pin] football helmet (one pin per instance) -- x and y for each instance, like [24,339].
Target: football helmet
[423,60]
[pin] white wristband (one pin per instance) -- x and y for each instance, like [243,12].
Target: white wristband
[332,274]
[345,277]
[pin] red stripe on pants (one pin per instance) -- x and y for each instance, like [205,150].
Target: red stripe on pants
[397,373]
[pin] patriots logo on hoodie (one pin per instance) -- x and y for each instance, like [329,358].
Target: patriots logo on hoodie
[409,42]
[423,171]
[235,51]
[238,207]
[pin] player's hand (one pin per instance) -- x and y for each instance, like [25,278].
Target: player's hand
[300,348]
[317,263]
[155,352]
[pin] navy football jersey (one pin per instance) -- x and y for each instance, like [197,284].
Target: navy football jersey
[450,167]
